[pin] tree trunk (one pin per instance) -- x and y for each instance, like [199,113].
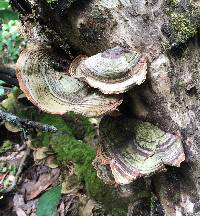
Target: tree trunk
[169,98]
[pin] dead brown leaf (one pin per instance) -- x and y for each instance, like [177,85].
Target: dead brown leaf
[20,212]
[89,207]
[34,187]
[51,162]
[69,205]
[40,153]
[28,208]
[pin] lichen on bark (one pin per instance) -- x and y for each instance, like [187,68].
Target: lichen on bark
[184,21]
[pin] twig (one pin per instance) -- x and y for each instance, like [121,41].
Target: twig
[25,123]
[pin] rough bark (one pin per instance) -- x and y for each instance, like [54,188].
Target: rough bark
[170,96]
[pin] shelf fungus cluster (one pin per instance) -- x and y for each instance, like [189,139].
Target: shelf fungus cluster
[113,71]
[130,149]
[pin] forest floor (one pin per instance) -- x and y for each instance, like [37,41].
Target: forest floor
[36,165]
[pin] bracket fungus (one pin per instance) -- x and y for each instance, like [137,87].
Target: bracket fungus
[112,72]
[56,92]
[132,149]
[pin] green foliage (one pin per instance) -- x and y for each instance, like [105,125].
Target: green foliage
[7,145]
[7,15]
[48,202]
[6,12]
[8,171]
[4,4]
[10,41]
[1,90]
[4,168]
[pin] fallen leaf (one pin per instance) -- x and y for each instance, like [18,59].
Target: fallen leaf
[12,157]
[28,207]
[20,212]
[62,209]
[70,184]
[51,162]
[89,207]
[40,153]
[48,202]
[12,128]
[69,205]
[34,188]
[21,96]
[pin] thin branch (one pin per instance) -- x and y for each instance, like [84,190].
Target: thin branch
[25,123]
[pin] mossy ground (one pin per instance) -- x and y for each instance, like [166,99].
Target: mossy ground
[68,148]
[72,142]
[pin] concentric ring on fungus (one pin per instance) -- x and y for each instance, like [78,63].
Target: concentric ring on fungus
[114,71]
[56,92]
[132,148]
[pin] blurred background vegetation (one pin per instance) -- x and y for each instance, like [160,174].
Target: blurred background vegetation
[10,41]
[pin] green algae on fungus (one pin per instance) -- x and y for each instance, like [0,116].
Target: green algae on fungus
[58,96]
[113,71]
[133,148]
[173,3]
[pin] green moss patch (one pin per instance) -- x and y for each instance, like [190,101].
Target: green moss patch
[68,148]
[184,20]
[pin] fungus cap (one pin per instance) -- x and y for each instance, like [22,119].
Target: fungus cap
[134,148]
[56,92]
[114,71]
